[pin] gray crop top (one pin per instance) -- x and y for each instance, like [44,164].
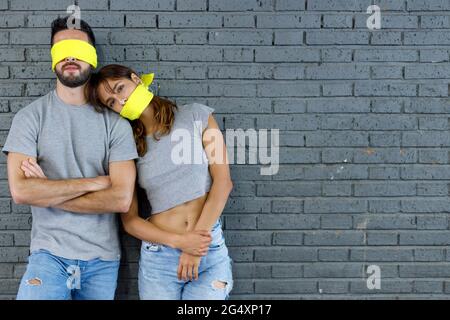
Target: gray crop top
[175,169]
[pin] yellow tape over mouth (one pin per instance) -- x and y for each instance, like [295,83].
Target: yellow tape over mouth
[139,99]
[78,49]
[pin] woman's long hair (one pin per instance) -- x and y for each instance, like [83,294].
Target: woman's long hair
[163,109]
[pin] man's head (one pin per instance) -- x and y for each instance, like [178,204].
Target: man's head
[72,72]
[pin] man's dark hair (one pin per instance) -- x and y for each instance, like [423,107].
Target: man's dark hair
[60,24]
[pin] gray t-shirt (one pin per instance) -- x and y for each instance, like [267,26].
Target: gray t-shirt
[175,168]
[72,142]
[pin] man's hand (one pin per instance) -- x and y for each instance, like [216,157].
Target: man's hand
[32,169]
[188,267]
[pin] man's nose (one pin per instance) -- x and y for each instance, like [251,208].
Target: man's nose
[70,59]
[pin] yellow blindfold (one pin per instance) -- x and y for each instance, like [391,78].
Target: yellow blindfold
[78,49]
[139,99]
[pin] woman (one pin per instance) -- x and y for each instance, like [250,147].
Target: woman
[187,196]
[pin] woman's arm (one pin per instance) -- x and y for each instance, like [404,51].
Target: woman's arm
[222,185]
[193,242]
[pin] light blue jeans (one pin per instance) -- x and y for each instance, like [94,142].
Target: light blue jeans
[49,277]
[158,266]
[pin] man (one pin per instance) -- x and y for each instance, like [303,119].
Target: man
[88,161]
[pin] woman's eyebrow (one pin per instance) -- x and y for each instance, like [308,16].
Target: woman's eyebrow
[114,88]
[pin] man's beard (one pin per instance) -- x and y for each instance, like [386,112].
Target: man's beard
[73,81]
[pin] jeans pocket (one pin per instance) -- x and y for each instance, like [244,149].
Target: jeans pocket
[150,247]
[217,242]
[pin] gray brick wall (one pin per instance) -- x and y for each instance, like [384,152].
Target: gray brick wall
[363,119]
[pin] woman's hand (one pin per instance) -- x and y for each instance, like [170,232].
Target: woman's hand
[188,267]
[32,170]
[195,242]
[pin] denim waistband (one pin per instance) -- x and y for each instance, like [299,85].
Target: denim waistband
[216,234]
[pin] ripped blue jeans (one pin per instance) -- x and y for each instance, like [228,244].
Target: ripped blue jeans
[49,277]
[158,266]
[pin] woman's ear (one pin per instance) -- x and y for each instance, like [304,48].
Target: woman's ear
[135,78]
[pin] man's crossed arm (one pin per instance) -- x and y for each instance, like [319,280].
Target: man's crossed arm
[113,193]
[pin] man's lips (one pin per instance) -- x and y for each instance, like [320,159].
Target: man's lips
[71,68]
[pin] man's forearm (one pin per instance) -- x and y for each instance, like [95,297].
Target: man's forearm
[110,200]
[50,193]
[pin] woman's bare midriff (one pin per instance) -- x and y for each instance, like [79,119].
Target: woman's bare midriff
[181,218]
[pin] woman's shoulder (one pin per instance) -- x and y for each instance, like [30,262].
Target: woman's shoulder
[195,112]
[195,107]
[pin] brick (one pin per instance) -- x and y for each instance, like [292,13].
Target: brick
[190,20]
[387,286]
[141,20]
[335,254]
[240,222]
[239,21]
[288,37]
[238,54]
[434,55]
[333,270]
[140,53]
[240,37]
[344,71]
[437,238]
[236,5]
[142,37]
[286,55]
[389,21]
[426,38]
[286,286]
[6,239]
[192,5]
[335,206]
[288,221]
[402,55]
[424,5]
[289,90]
[424,270]
[337,21]
[239,72]
[381,255]
[337,37]
[198,37]
[142,5]
[288,21]
[6,270]
[12,21]
[190,54]
[285,254]
[334,238]
[13,254]
[251,271]
[290,5]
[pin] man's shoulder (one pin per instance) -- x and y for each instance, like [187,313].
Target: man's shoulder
[115,120]
[36,105]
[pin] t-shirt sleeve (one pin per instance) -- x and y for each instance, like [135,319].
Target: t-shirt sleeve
[201,113]
[23,134]
[122,146]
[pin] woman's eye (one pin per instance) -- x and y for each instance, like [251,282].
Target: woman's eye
[119,88]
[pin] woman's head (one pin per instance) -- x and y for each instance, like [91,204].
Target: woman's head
[112,86]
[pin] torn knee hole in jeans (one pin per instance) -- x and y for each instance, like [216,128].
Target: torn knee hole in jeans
[217,284]
[34,282]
